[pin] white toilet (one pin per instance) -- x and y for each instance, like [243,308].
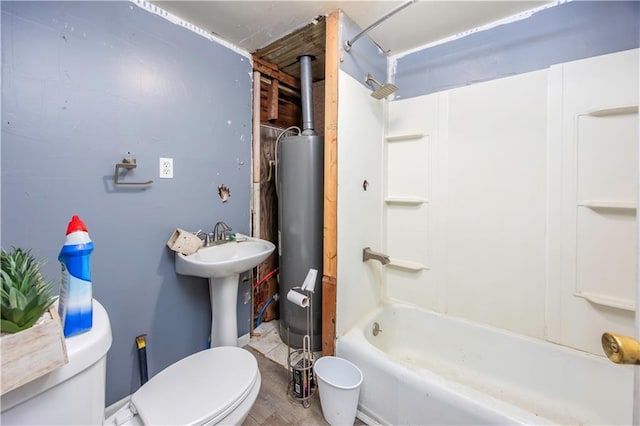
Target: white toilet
[215,386]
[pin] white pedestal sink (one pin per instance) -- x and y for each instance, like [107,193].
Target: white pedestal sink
[222,265]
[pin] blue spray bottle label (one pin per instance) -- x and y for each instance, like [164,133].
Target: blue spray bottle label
[76,304]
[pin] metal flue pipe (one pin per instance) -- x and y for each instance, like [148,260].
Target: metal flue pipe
[306,92]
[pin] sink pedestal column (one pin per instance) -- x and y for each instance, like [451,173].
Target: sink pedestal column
[224,315]
[222,264]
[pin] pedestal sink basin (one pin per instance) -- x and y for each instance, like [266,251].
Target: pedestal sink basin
[222,265]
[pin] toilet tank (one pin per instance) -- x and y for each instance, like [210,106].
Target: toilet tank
[73,394]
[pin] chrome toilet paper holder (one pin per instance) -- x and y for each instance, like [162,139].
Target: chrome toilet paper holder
[128,163]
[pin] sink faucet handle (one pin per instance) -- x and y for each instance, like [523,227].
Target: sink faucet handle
[204,236]
[220,229]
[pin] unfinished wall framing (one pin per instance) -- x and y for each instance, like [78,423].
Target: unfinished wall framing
[277,68]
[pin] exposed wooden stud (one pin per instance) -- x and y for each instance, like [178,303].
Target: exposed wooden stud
[328,316]
[267,213]
[331,146]
[330,236]
[272,101]
[282,88]
[288,108]
[256,132]
[268,69]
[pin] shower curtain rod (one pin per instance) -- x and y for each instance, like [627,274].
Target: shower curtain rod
[349,43]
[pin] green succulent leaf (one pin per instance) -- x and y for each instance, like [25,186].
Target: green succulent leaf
[9,327]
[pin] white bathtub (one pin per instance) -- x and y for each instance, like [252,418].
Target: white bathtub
[426,368]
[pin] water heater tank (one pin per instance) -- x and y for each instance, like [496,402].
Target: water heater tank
[300,217]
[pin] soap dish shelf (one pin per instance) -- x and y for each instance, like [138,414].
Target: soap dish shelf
[407,265]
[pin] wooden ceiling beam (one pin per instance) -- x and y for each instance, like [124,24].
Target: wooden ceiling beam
[272,71]
[272,101]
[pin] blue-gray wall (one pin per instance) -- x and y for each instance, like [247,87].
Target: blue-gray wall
[83,84]
[567,32]
[364,57]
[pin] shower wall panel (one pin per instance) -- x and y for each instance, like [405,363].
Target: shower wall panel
[411,151]
[360,188]
[593,152]
[465,202]
[496,210]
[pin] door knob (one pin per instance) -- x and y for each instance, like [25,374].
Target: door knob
[621,349]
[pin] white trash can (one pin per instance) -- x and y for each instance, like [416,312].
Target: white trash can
[339,385]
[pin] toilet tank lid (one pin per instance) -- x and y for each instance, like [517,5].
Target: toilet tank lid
[198,389]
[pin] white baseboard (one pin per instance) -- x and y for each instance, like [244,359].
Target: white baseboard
[244,340]
[110,410]
[366,419]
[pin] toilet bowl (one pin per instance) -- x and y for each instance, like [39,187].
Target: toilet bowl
[218,385]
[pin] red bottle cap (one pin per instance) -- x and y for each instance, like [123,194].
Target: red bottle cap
[76,225]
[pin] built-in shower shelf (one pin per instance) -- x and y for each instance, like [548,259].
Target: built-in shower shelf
[407,201]
[407,137]
[406,265]
[619,110]
[608,205]
[606,300]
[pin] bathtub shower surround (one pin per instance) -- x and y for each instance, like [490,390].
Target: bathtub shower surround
[461,372]
[507,209]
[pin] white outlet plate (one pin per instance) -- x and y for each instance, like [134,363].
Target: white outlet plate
[166,168]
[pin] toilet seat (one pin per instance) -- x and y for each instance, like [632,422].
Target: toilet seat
[200,389]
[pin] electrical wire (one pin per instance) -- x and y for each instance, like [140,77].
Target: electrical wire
[275,149]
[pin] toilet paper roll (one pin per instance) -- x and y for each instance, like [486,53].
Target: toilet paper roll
[298,299]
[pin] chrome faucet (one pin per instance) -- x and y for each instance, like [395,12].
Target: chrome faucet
[368,254]
[220,232]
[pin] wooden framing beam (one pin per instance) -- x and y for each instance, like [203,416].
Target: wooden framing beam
[330,234]
[272,101]
[328,315]
[272,71]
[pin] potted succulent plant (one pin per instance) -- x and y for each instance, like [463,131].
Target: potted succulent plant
[32,341]
[25,295]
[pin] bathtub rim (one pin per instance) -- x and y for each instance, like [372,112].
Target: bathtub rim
[364,322]
[516,414]
[360,335]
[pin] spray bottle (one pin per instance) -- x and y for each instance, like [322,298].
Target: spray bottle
[75,304]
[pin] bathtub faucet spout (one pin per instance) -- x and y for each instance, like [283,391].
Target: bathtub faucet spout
[368,254]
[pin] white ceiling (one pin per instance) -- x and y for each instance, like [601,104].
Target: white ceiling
[252,25]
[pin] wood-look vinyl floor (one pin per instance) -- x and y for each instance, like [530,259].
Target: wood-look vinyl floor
[274,406]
